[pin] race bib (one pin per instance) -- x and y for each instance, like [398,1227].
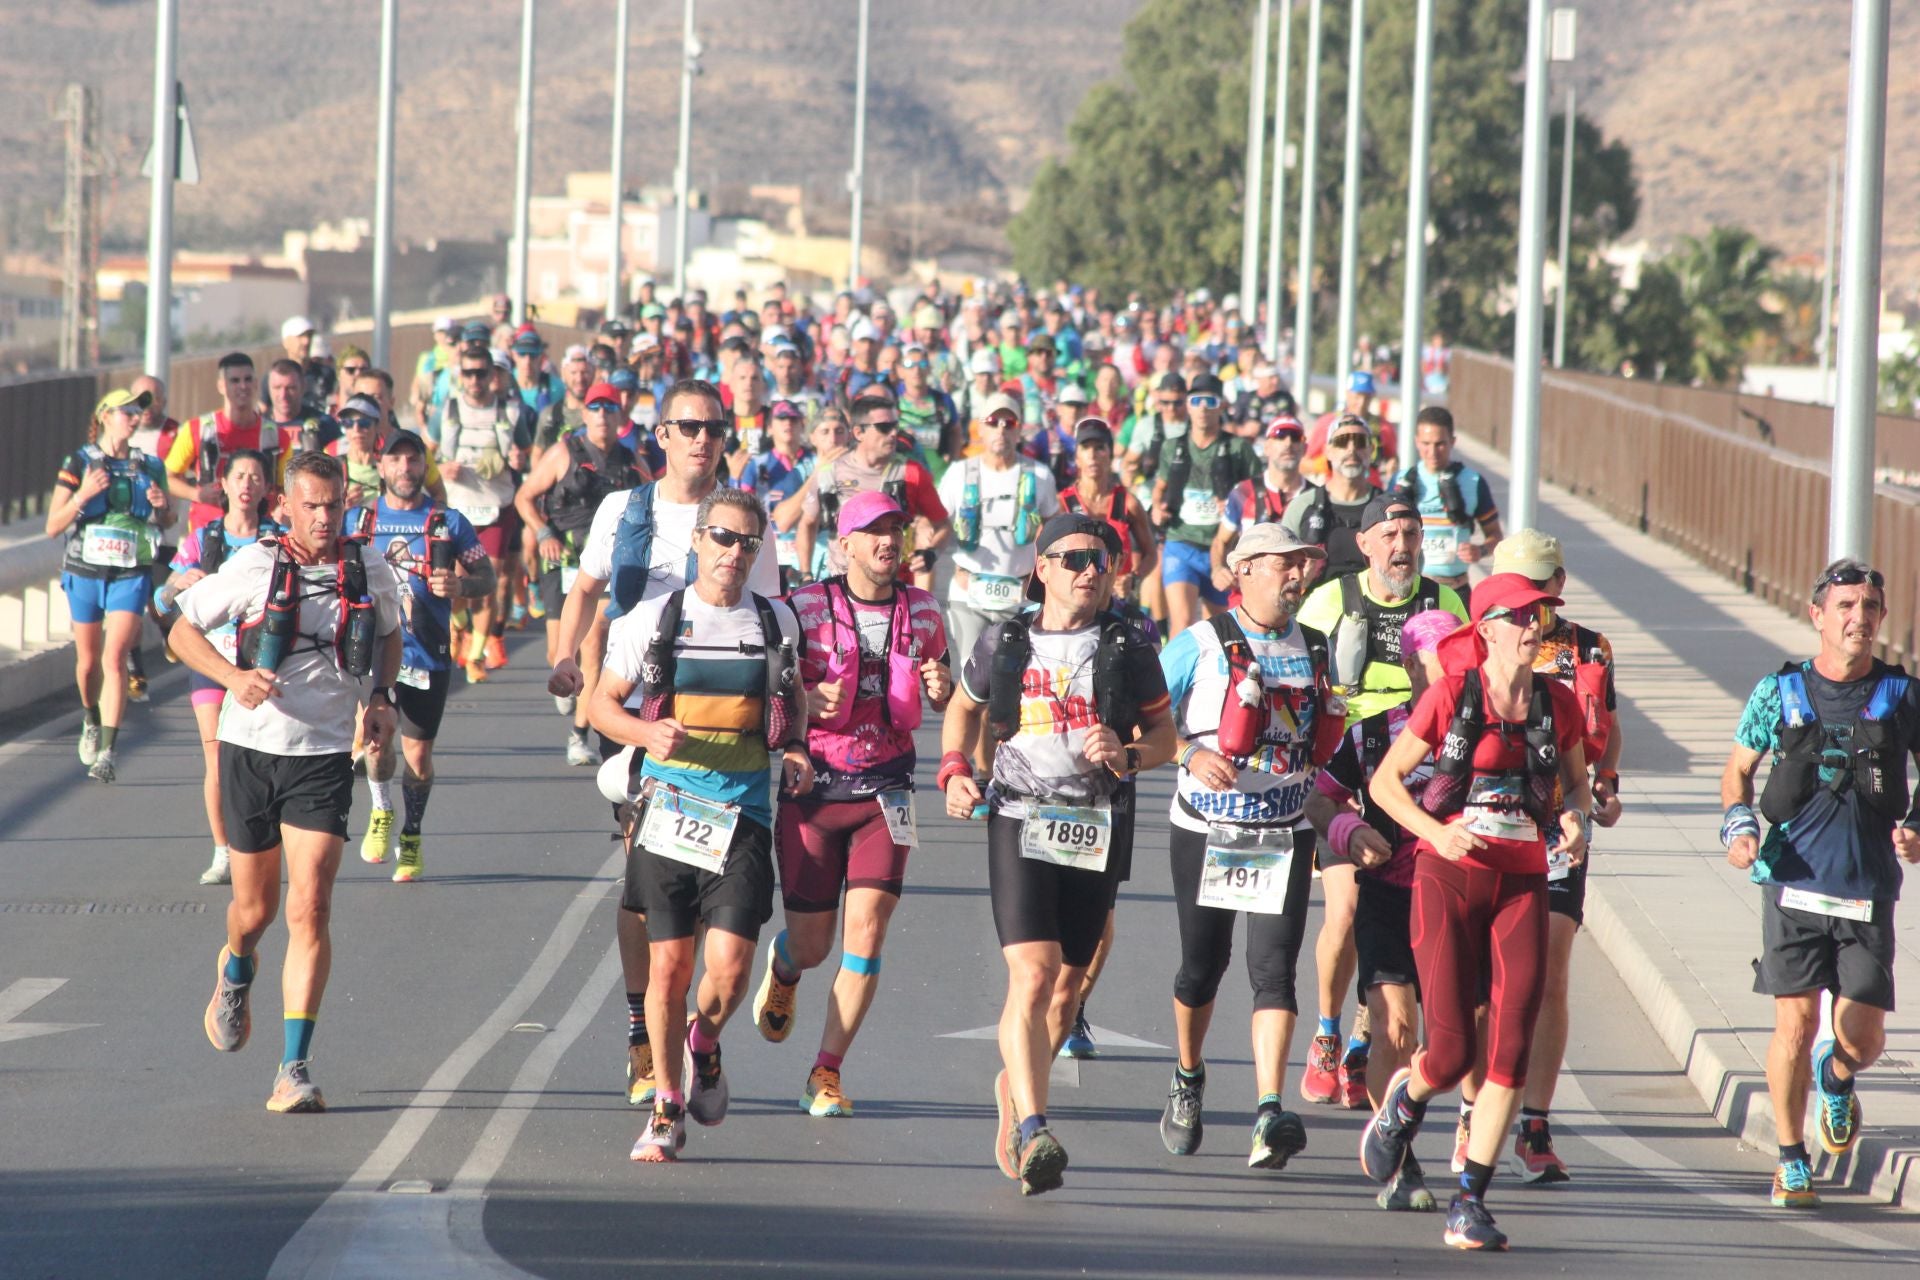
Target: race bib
[568,572]
[1247,869]
[109,547]
[1559,865]
[1821,904]
[1440,543]
[415,677]
[788,552]
[1067,836]
[1494,811]
[688,829]
[1199,506]
[480,516]
[903,827]
[992,593]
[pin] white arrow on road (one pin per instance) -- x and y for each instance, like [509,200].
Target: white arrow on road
[1101,1036]
[22,995]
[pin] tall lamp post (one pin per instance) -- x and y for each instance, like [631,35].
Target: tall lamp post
[1564,21]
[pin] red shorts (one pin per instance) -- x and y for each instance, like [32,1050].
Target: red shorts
[502,536]
[821,847]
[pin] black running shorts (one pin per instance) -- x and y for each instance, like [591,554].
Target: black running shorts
[261,792]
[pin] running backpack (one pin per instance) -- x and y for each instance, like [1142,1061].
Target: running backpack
[1875,765]
[1446,795]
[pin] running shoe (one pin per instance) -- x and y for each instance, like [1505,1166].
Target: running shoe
[136,688]
[1321,1083]
[1793,1186]
[664,1137]
[294,1089]
[1353,1080]
[773,1004]
[1470,1226]
[1407,1193]
[477,672]
[1278,1136]
[229,1019]
[1006,1126]
[1533,1158]
[823,1096]
[378,842]
[639,1074]
[566,705]
[102,770]
[517,617]
[89,744]
[707,1096]
[496,653]
[580,752]
[537,609]
[1182,1124]
[1462,1135]
[1079,1042]
[1042,1162]
[1388,1137]
[219,871]
[406,867]
[1836,1115]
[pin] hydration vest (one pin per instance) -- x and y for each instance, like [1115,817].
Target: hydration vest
[632,551]
[902,695]
[1115,515]
[893,483]
[967,516]
[572,502]
[120,499]
[213,542]
[1353,634]
[782,724]
[268,448]
[1259,501]
[1590,679]
[1446,795]
[1452,501]
[1241,724]
[1116,704]
[269,640]
[1221,472]
[1868,760]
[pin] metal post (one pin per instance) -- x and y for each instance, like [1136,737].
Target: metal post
[616,213]
[1856,404]
[383,189]
[1256,158]
[689,61]
[857,176]
[1309,155]
[1350,202]
[1566,236]
[1277,213]
[1413,302]
[1825,341]
[523,168]
[1524,489]
[166,144]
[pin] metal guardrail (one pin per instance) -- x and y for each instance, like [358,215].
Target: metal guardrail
[1755,512]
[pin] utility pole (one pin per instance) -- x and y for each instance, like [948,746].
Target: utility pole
[1562,51]
[1350,206]
[383,189]
[857,176]
[1523,496]
[166,152]
[1277,212]
[1825,342]
[1256,156]
[523,168]
[1414,298]
[616,212]
[689,68]
[79,229]
[1310,153]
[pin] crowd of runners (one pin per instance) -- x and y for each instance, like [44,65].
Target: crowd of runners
[1084,539]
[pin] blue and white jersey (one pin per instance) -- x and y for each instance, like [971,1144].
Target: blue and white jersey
[400,537]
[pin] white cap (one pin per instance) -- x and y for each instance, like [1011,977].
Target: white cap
[297,325]
[613,777]
[985,360]
[445,324]
[863,331]
[501,360]
[574,352]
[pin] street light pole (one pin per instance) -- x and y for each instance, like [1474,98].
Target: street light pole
[1413,301]
[383,189]
[1350,207]
[523,168]
[1309,155]
[166,136]
[1256,157]
[1277,213]
[1856,404]
[1562,51]
[689,62]
[616,212]
[1524,490]
[1826,283]
[857,176]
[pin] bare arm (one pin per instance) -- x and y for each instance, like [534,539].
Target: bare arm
[576,616]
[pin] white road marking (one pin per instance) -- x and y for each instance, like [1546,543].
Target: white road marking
[1102,1036]
[21,995]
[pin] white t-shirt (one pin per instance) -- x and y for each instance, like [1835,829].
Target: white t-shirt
[999,505]
[672,553]
[314,711]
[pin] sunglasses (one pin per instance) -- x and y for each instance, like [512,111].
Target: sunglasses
[1850,576]
[730,539]
[1523,617]
[885,426]
[131,410]
[1287,433]
[1350,442]
[915,364]
[477,373]
[715,428]
[352,370]
[1080,561]
[605,406]
[356,422]
[1203,402]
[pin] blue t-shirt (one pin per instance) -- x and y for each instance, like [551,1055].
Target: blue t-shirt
[542,394]
[1441,538]
[773,480]
[401,536]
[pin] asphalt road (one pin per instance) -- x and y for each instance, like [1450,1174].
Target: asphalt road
[471,1050]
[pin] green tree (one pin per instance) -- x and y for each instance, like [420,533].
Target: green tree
[1725,277]
[1900,383]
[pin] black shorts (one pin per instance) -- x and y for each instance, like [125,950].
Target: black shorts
[675,897]
[1040,902]
[422,709]
[1383,935]
[261,792]
[552,598]
[1805,951]
[1567,896]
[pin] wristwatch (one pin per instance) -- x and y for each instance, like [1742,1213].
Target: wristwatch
[383,691]
[1133,759]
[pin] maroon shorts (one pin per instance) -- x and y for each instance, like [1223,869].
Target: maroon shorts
[823,846]
[1469,924]
[502,536]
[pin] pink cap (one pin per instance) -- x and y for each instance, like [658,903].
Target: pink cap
[864,508]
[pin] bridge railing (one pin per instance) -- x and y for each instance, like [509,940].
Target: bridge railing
[1753,510]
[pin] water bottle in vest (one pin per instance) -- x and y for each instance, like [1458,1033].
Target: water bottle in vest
[356,614]
[1244,716]
[439,544]
[1008,671]
[273,633]
[209,461]
[966,521]
[780,693]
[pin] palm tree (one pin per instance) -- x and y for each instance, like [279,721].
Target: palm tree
[1724,277]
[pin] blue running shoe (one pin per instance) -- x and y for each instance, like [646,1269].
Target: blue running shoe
[1470,1226]
[1388,1137]
[1836,1115]
[1793,1186]
[1079,1042]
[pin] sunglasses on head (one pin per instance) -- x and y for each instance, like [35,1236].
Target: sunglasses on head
[715,428]
[731,538]
[1851,576]
[1203,402]
[1081,560]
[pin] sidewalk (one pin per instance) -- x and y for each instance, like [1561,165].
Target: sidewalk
[1679,923]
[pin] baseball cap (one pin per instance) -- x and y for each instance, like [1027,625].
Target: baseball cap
[445,324]
[1199,296]
[614,327]
[476,331]
[1269,538]
[1506,591]
[501,360]
[1072,393]
[624,380]
[1172,382]
[366,406]
[912,347]
[1092,431]
[1386,507]
[863,331]
[574,352]
[1285,424]
[788,409]
[653,311]
[1360,382]
[985,360]
[1205,384]
[529,344]
[1070,524]
[864,509]
[1349,422]
[1040,342]
[120,397]
[784,346]
[1002,403]
[644,343]
[404,439]
[602,390]
[1529,553]
[926,318]
[297,325]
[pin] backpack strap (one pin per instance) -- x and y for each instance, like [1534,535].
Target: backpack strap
[1351,602]
[659,666]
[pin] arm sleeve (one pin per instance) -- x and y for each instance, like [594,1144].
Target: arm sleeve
[466,543]
[73,468]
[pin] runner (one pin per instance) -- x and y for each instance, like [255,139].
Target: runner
[777,474]
[700,844]
[643,558]
[1252,692]
[1328,514]
[109,502]
[1074,706]
[928,413]
[1362,614]
[1263,498]
[1838,731]
[358,448]
[872,649]
[320,632]
[1454,500]
[874,464]
[437,557]
[242,523]
[574,479]
[1197,471]
[1511,756]
[483,437]
[1358,404]
[301,424]
[999,501]
[198,457]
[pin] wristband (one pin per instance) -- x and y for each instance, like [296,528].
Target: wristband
[1739,821]
[953,765]
[1608,776]
[1188,752]
[1340,833]
[543,533]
